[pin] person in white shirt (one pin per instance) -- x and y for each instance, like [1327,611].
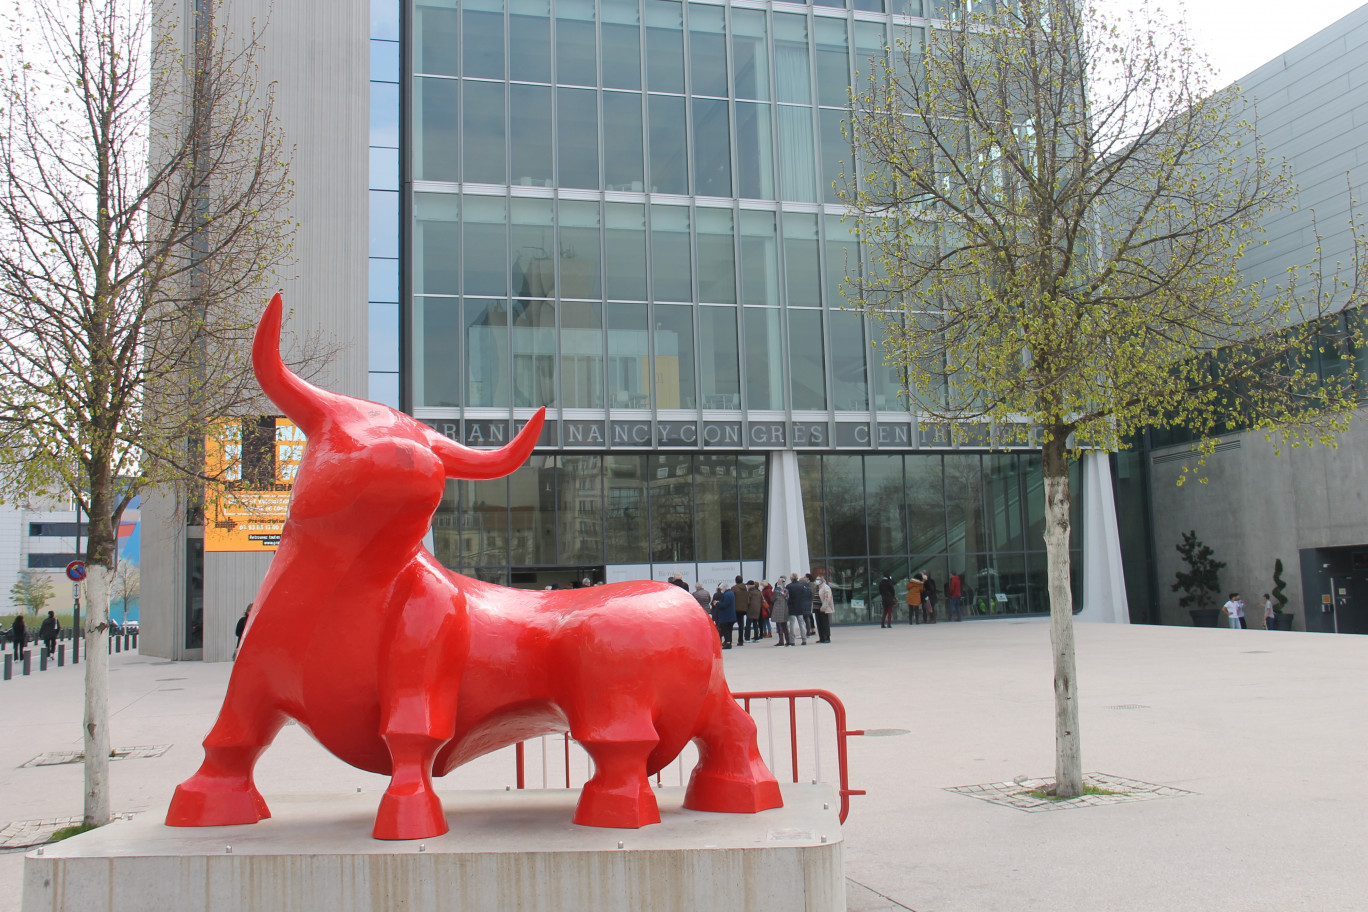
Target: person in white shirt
[1234,609]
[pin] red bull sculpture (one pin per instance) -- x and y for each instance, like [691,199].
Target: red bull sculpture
[400,667]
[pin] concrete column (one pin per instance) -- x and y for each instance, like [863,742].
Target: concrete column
[786,544]
[1104,584]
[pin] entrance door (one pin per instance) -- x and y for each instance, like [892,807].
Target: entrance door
[1349,599]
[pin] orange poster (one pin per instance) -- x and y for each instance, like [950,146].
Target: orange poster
[256,458]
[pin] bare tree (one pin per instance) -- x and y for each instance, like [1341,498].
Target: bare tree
[1058,210]
[144,206]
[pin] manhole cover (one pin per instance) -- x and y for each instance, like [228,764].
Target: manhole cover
[885,732]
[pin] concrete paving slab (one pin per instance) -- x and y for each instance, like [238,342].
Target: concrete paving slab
[1268,730]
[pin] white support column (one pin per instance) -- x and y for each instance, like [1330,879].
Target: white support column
[786,545]
[1104,583]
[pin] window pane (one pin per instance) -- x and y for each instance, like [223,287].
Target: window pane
[671,264]
[534,353]
[383,337]
[888,385]
[842,260]
[664,46]
[580,509]
[925,503]
[754,151]
[438,32]
[674,357]
[1002,497]
[627,530]
[532,513]
[764,365]
[810,478]
[708,50]
[437,130]
[750,55]
[719,357]
[750,470]
[843,493]
[1033,506]
[624,252]
[712,147]
[759,259]
[833,63]
[629,378]
[579,249]
[716,256]
[482,42]
[529,117]
[384,224]
[884,490]
[621,44]
[872,6]
[837,155]
[530,240]
[483,137]
[440,340]
[850,386]
[436,243]
[623,165]
[801,268]
[575,52]
[905,7]
[529,40]
[486,337]
[798,155]
[964,504]
[581,340]
[485,245]
[577,131]
[716,526]
[791,58]
[672,508]
[806,364]
[667,145]
[483,517]
[871,39]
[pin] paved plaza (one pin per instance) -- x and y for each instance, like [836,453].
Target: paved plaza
[1229,764]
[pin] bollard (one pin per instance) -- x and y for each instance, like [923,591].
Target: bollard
[26,661]
[9,666]
[75,646]
[109,644]
[118,644]
[135,639]
[42,660]
[61,654]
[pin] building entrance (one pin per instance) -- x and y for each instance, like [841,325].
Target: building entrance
[1336,589]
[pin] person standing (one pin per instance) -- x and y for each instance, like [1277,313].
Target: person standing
[704,601]
[1269,613]
[954,590]
[724,614]
[676,579]
[242,628]
[914,598]
[755,609]
[48,632]
[929,597]
[1233,608]
[779,612]
[824,606]
[889,596]
[767,594]
[741,598]
[18,636]
[800,605]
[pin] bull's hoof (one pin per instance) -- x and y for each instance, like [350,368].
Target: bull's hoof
[417,815]
[721,794]
[625,810]
[205,801]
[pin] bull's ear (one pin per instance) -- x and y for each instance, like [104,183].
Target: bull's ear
[463,462]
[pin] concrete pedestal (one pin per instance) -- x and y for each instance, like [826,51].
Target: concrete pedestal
[506,850]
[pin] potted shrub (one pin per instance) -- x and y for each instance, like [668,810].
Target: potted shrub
[1282,619]
[1200,582]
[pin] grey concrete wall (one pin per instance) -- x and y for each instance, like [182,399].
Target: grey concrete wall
[230,582]
[162,601]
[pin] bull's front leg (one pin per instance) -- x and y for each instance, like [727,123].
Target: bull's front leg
[422,659]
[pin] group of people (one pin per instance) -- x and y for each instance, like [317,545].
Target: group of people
[1234,609]
[922,593]
[791,608]
[47,633]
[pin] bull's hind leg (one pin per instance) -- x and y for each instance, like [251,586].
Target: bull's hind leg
[222,792]
[618,794]
[730,775]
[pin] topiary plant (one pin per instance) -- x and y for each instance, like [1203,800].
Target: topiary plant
[1202,580]
[1279,600]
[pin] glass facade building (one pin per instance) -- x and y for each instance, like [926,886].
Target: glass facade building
[624,211]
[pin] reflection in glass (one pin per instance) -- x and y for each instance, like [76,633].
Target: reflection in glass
[888,384]
[715,517]
[810,479]
[623,165]
[529,40]
[674,356]
[575,58]
[624,250]
[791,75]
[485,245]
[621,45]
[581,339]
[712,147]
[750,55]
[577,138]
[719,357]
[843,491]
[964,504]
[529,121]
[801,265]
[627,528]
[672,507]
[532,511]
[716,256]
[530,241]
[664,46]
[439,35]
[806,362]
[1033,497]
[440,380]
[759,259]
[925,490]
[436,244]
[482,518]
[482,135]
[849,382]
[884,490]
[629,359]
[797,155]
[579,249]
[850,585]
[833,63]
[534,353]
[436,141]
[750,469]
[667,144]
[580,509]
[708,50]
[843,260]
[671,265]
[754,151]
[837,155]
[486,339]
[1002,496]
[482,39]
[764,364]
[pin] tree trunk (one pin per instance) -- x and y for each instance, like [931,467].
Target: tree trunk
[1068,754]
[96,745]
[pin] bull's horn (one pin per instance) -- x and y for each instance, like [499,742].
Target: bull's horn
[464,462]
[301,402]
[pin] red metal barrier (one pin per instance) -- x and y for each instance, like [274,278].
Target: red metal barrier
[745,699]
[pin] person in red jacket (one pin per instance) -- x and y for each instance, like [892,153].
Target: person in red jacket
[954,590]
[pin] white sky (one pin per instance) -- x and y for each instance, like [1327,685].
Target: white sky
[1238,36]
